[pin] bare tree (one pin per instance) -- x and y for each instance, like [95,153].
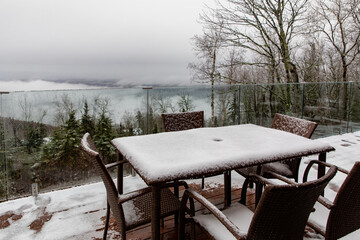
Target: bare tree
[64,106]
[338,20]
[185,103]
[207,48]
[266,28]
[312,61]
[163,104]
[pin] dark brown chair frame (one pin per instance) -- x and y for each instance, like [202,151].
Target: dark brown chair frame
[141,198]
[296,126]
[282,212]
[344,216]
[293,125]
[183,121]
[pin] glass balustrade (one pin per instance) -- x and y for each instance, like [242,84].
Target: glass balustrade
[40,130]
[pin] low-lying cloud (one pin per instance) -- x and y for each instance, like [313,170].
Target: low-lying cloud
[118,42]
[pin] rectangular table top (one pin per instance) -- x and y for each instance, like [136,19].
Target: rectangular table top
[164,157]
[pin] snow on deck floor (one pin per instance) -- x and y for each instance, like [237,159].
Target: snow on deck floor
[76,213]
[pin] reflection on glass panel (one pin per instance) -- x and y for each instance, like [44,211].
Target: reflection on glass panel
[40,130]
[43,130]
[354,118]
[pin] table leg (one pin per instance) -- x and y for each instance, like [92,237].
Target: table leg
[155,214]
[227,189]
[321,168]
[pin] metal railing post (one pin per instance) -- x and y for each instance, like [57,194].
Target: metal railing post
[147,108]
[350,84]
[303,99]
[239,104]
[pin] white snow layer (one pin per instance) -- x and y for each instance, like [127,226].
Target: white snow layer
[76,212]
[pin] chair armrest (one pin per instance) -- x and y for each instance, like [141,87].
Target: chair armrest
[312,162]
[238,234]
[175,184]
[261,179]
[134,194]
[316,227]
[110,165]
[280,177]
[325,202]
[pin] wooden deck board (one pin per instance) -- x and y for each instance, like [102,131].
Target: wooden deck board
[168,230]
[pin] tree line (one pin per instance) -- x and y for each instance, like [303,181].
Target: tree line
[279,41]
[50,155]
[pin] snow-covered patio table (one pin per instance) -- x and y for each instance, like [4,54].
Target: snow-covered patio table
[164,157]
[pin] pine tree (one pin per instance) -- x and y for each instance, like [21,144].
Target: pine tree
[234,112]
[70,144]
[103,135]
[87,123]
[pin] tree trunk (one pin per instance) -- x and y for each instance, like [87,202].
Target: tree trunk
[345,90]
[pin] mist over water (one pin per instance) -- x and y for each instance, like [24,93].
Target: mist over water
[51,44]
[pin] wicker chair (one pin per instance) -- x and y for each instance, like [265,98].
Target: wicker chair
[183,121]
[282,212]
[290,167]
[123,206]
[344,213]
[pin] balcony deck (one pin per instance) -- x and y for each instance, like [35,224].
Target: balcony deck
[168,230]
[78,212]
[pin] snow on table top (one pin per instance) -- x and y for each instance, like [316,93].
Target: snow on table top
[174,155]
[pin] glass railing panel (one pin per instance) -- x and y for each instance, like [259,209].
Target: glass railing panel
[3,163]
[354,115]
[326,104]
[43,129]
[260,102]
[179,99]
[39,131]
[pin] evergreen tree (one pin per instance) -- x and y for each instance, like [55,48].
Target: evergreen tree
[103,135]
[34,137]
[64,147]
[140,120]
[87,123]
[234,112]
[70,144]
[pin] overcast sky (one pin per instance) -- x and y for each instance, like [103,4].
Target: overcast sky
[133,41]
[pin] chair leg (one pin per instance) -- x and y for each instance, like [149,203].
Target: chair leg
[107,220]
[176,215]
[258,192]
[193,229]
[244,191]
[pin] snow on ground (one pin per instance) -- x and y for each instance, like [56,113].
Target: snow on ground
[76,213]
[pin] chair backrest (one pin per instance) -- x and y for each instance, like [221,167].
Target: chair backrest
[344,216]
[182,121]
[90,150]
[283,210]
[294,125]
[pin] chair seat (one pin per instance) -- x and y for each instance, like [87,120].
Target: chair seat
[319,216]
[240,215]
[138,210]
[277,167]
